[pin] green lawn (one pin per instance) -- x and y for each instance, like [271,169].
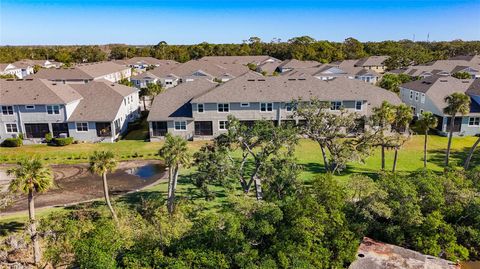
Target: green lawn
[308,154]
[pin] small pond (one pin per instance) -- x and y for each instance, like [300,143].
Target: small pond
[146,171]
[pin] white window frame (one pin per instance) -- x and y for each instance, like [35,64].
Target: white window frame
[9,132]
[77,124]
[244,104]
[53,109]
[6,111]
[198,108]
[417,96]
[422,98]
[414,110]
[30,107]
[411,95]
[475,120]
[225,122]
[227,105]
[361,105]
[331,104]
[180,122]
[266,107]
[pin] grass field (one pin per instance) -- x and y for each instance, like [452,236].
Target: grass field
[308,154]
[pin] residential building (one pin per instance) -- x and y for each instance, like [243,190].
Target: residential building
[142,63]
[428,94]
[10,69]
[294,64]
[171,111]
[97,112]
[374,63]
[468,64]
[254,97]
[83,73]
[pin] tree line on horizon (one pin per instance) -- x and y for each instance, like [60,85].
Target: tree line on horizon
[402,53]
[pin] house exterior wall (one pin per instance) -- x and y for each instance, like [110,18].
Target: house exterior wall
[278,114]
[22,115]
[116,76]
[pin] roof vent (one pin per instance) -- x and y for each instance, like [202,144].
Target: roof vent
[302,79]
[250,80]
[465,81]
[443,80]
[261,79]
[291,79]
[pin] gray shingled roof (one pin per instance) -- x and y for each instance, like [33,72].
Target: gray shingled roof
[372,61]
[294,63]
[175,102]
[256,88]
[61,73]
[146,61]
[438,87]
[101,68]
[36,91]
[242,60]
[474,88]
[101,100]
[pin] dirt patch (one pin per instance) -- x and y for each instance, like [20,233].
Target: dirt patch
[74,183]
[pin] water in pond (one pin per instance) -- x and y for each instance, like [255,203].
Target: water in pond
[146,171]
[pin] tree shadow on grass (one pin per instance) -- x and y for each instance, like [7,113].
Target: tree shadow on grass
[11,227]
[456,157]
[318,169]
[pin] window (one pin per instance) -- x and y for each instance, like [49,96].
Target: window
[335,105]
[223,108]
[244,104]
[411,95]
[414,110]
[358,105]
[168,82]
[53,110]
[7,110]
[200,108]
[417,94]
[290,107]
[222,125]
[422,100]
[421,111]
[11,128]
[82,126]
[180,125]
[266,107]
[30,107]
[474,121]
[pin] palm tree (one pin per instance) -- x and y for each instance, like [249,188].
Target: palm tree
[385,116]
[101,163]
[425,123]
[175,154]
[401,123]
[457,103]
[29,177]
[470,153]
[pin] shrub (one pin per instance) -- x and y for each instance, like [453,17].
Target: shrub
[60,142]
[48,137]
[12,142]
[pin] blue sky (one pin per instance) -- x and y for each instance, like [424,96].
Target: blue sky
[189,22]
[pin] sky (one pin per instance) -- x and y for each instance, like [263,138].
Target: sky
[138,22]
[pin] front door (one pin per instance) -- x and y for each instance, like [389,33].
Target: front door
[203,128]
[36,130]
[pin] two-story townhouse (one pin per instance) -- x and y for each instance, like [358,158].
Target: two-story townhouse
[171,111]
[254,97]
[11,69]
[428,94]
[35,107]
[83,73]
[375,63]
[104,111]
